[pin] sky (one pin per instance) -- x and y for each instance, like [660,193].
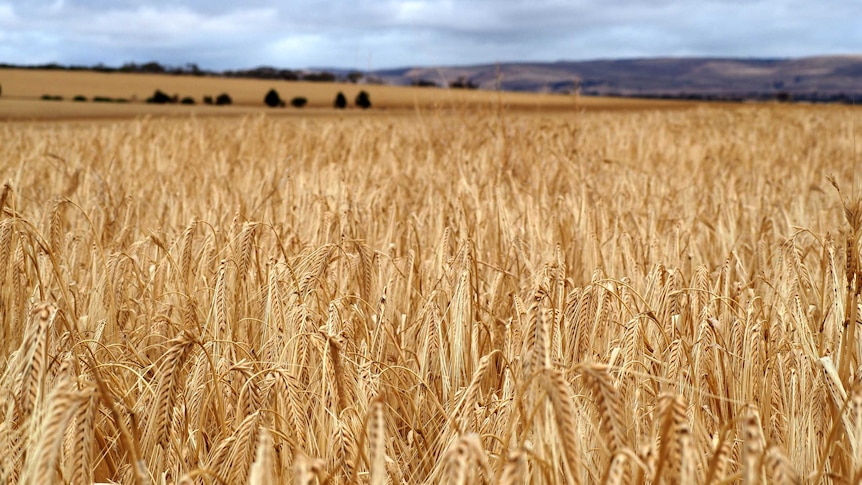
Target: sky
[378,34]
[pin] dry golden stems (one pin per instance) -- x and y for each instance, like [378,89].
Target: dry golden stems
[849,357]
[652,249]
[839,401]
[130,442]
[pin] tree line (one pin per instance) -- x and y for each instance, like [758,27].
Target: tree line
[271,99]
[192,69]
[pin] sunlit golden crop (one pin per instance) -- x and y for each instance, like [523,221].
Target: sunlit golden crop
[476,296]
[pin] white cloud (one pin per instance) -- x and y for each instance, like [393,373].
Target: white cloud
[165,25]
[387,33]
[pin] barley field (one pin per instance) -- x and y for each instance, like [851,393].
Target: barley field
[649,296]
[22,89]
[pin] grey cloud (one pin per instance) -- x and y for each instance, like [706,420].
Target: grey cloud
[388,33]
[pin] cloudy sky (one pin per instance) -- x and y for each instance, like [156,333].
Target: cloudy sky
[219,34]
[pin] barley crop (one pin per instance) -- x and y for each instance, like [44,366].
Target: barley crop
[441,297]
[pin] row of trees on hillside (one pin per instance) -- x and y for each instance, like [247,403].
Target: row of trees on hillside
[273,100]
[160,97]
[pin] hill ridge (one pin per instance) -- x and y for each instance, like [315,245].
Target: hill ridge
[815,78]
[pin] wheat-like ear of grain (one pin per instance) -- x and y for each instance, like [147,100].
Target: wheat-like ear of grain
[307,469]
[169,388]
[609,405]
[616,470]
[5,247]
[343,446]
[672,409]
[564,416]
[186,270]
[4,194]
[514,468]
[480,458]
[340,386]
[246,246]
[80,468]
[465,456]
[752,448]
[720,456]
[688,467]
[854,411]
[43,459]
[219,459]
[55,229]
[542,354]
[469,394]
[243,449]
[780,468]
[33,378]
[263,468]
[220,326]
[377,444]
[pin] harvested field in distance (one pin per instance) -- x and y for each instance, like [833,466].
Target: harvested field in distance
[605,297]
[23,88]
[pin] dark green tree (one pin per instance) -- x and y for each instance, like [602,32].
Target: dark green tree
[340,101]
[223,99]
[363,100]
[272,99]
[159,97]
[298,102]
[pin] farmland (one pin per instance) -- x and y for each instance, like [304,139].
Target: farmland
[24,88]
[431,295]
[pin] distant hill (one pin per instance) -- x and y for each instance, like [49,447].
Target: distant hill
[826,78]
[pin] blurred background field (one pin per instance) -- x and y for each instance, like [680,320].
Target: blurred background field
[24,88]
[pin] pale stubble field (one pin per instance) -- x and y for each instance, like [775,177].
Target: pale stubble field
[646,296]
